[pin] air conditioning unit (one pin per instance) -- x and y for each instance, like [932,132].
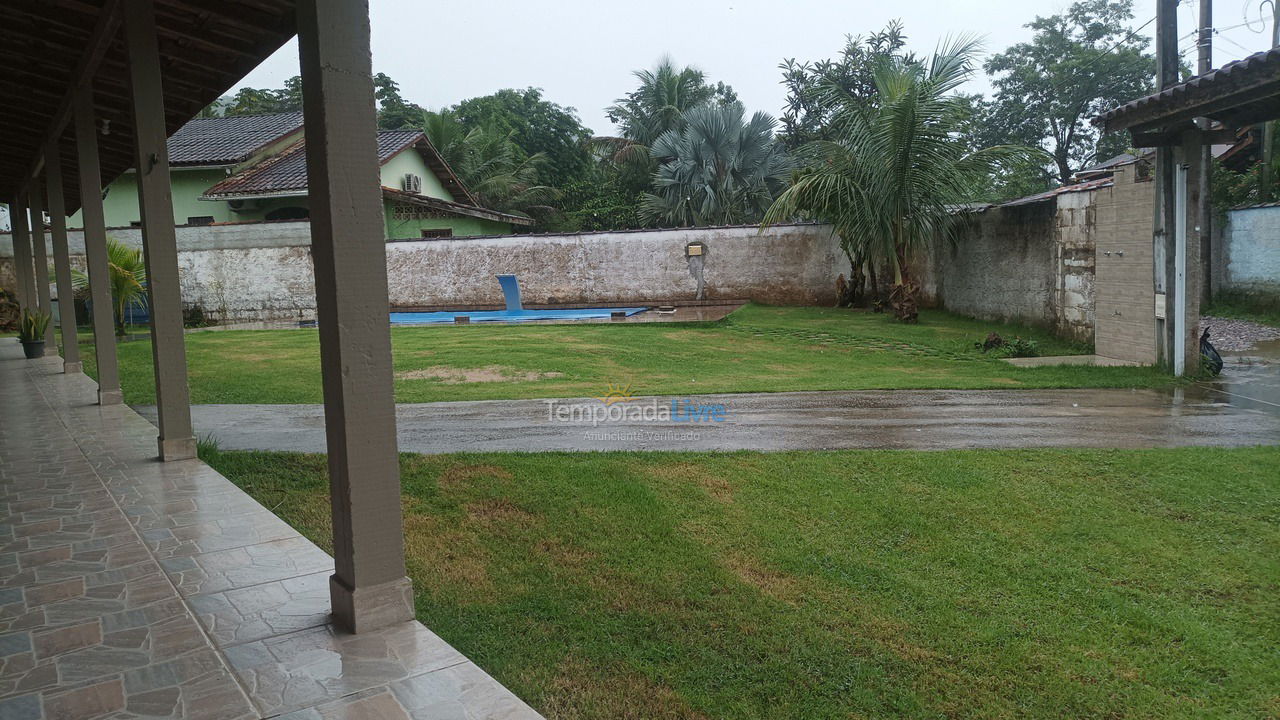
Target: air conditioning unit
[412,183]
[242,205]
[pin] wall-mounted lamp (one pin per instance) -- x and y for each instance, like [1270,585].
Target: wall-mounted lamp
[106,126]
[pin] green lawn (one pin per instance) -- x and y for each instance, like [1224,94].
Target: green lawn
[1000,584]
[757,349]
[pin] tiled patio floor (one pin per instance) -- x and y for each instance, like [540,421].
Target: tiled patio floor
[130,588]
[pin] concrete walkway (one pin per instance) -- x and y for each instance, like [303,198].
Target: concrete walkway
[132,588]
[929,420]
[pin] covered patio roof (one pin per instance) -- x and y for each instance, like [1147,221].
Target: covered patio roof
[52,47]
[1235,95]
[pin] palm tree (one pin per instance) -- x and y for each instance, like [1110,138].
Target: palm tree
[719,169]
[494,167]
[891,178]
[127,274]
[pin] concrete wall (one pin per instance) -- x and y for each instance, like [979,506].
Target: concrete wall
[263,270]
[1029,264]
[1249,257]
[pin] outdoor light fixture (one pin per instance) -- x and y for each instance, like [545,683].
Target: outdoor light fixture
[106,126]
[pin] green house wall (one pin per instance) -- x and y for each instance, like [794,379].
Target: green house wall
[120,204]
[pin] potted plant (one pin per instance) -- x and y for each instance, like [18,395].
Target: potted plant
[31,333]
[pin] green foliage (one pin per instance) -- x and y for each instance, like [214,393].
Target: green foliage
[1078,64]
[537,126]
[664,95]
[127,273]
[1258,306]
[260,101]
[492,165]
[1018,347]
[602,201]
[893,172]
[809,115]
[33,326]
[1232,189]
[394,112]
[719,169]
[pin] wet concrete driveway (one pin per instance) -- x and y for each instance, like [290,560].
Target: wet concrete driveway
[1242,408]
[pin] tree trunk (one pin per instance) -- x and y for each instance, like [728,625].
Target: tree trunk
[852,291]
[874,295]
[904,296]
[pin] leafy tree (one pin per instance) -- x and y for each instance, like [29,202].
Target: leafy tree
[981,127]
[719,169]
[808,114]
[1078,64]
[127,274]
[538,126]
[266,101]
[393,112]
[892,173]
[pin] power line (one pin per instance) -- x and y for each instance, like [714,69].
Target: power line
[1118,43]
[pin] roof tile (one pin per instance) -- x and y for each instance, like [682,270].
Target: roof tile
[228,140]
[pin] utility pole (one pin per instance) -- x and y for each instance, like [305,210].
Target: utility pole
[1269,127]
[1204,46]
[1163,265]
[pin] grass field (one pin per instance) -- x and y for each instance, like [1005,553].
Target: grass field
[995,584]
[757,349]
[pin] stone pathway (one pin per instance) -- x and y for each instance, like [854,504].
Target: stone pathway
[131,588]
[1229,335]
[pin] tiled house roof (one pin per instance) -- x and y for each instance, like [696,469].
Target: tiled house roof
[286,173]
[228,140]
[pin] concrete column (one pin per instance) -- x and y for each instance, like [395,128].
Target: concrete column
[159,239]
[25,289]
[95,249]
[61,258]
[369,589]
[41,256]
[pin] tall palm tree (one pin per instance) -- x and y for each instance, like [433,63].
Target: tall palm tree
[127,274]
[891,178]
[719,169]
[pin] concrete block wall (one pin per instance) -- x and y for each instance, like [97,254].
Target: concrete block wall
[263,271]
[1030,264]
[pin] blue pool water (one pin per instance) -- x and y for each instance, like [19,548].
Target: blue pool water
[448,316]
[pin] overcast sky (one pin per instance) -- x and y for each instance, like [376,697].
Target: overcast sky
[581,53]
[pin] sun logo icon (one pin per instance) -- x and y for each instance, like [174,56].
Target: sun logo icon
[616,394]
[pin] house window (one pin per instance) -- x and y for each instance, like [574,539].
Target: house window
[200,220]
[438,233]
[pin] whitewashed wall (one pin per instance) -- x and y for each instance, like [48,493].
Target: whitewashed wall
[263,271]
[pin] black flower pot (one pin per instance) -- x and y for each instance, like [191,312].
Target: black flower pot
[33,349]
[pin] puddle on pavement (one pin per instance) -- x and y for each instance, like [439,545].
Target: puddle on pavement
[1251,377]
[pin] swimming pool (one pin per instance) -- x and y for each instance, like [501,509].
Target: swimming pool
[522,315]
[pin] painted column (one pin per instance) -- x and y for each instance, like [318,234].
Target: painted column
[25,289]
[159,239]
[95,249]
[369,588]
[41,255]
[61,258]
